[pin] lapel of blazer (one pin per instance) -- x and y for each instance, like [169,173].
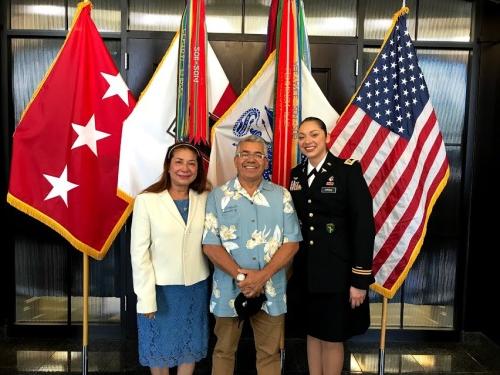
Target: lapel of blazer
[193,206]
[167,202]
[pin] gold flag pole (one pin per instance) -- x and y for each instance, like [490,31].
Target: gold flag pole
[85,325]
[85,338]
[381,351]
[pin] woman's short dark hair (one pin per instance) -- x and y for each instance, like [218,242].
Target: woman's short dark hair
[164,183]
[318,121]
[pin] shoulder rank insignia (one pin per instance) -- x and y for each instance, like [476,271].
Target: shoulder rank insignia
[350,161]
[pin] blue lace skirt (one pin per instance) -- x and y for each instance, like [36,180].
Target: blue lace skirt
[179,332]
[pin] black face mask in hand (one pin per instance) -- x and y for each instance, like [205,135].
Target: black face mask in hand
[247,307]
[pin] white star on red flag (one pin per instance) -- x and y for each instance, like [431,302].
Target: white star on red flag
[60,186]
[117,86]
[88,135]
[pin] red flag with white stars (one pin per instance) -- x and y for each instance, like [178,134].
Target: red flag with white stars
[66,148]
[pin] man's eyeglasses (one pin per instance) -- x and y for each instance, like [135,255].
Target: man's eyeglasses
[249,155]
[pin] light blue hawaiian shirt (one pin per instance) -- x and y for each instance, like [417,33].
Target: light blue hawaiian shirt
[251,229]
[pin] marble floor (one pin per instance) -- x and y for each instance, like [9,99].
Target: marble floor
[474,355]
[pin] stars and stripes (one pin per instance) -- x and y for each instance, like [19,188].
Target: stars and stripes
[390,126]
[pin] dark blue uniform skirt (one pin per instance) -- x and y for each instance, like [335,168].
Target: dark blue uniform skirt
[331,318]
[179,332]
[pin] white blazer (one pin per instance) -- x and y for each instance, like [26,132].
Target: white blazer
[164,250]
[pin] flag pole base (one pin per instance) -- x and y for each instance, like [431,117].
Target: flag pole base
[282,361]
[85,360]
[381,361]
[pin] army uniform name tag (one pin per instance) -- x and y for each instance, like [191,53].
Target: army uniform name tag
[330,190]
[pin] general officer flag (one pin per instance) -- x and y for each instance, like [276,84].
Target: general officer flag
[66,147]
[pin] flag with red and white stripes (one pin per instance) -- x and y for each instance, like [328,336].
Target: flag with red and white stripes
[390,126]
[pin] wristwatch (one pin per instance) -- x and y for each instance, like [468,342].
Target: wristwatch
[240,277]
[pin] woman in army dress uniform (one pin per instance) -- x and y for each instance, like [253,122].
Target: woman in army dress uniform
[335,210]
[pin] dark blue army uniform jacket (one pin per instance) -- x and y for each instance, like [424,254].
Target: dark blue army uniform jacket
[336,217]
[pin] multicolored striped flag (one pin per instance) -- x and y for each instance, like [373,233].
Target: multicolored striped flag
[151,128]
[192,112]
[390,126]
[287,96]
[303,40]
[254,111]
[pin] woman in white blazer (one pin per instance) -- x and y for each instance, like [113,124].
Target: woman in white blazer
[170,272]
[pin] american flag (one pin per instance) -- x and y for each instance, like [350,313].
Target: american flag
[390,126]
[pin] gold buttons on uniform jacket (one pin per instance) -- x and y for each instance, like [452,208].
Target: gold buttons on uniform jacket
[311,228]
[308,201]
[311,214]
[311,242]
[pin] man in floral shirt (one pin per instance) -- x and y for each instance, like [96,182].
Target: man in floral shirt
[251,234]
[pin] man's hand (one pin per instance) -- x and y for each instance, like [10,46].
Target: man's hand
[150,315]
[356,296]
[254,283]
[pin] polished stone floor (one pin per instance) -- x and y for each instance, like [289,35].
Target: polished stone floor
[474,355]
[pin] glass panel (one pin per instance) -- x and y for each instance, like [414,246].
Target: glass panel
[256,16]
[447,95]
[67,362]
[448,20]
[369,55]
[101,309]
[430,292]
[106,14]
[37,14]
[26,76]
[393,363]
[155,15]
[104,292]
[378,17]
[224,16]
[331,18]
[41,274]
[393,310]
[436,362]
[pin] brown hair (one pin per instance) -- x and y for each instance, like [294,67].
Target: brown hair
[200,182]
[318,121]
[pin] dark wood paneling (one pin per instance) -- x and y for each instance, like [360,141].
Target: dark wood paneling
[240,60]
[483,254]
[144,57]
[333,66]
[229,55]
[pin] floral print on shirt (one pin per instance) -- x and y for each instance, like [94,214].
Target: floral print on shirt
[251,229]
